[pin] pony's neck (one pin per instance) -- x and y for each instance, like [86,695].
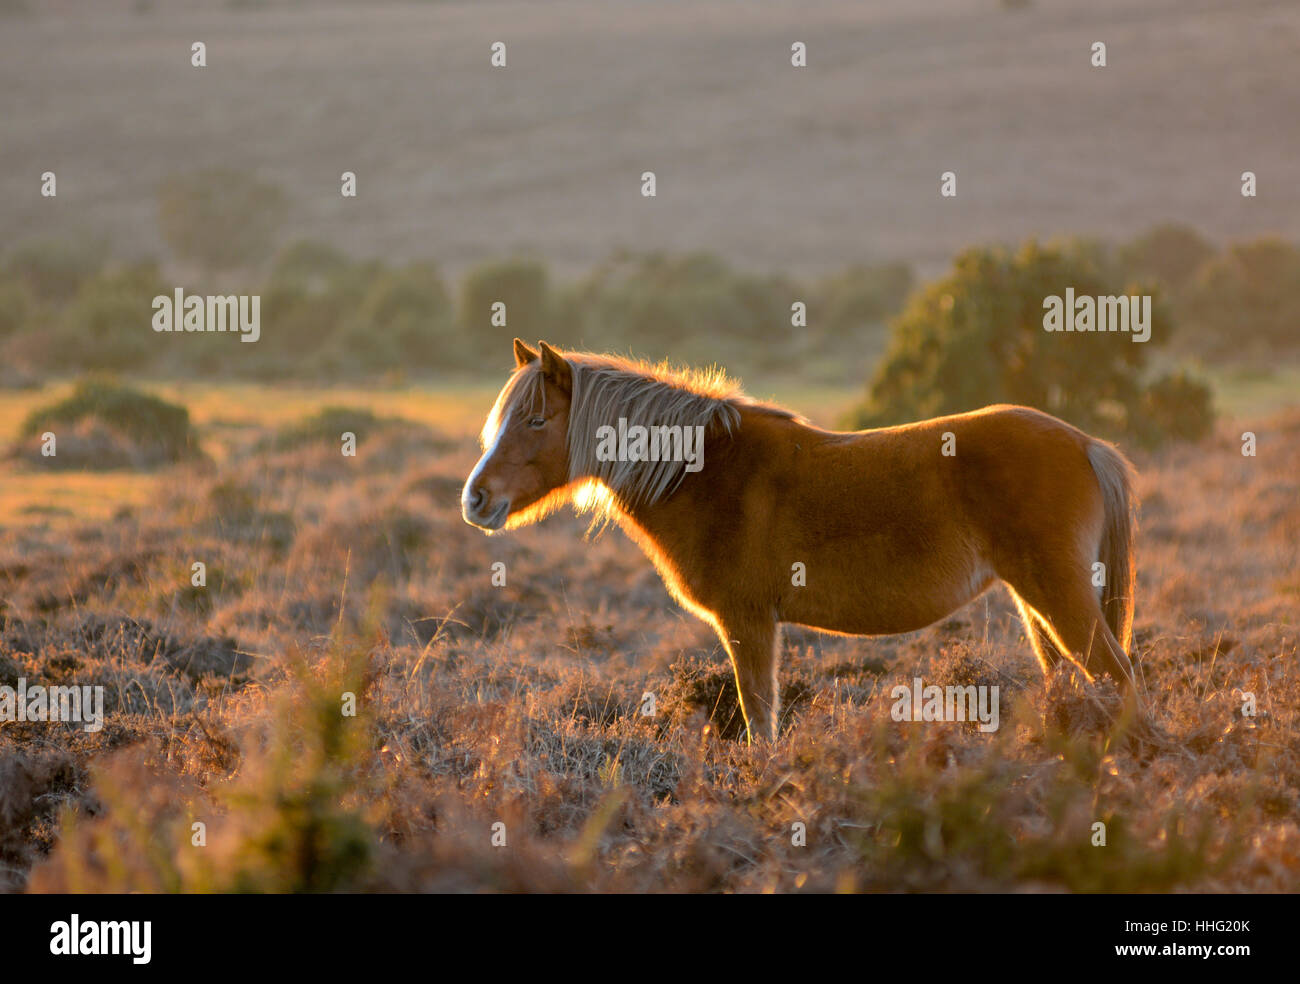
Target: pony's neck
[702,501]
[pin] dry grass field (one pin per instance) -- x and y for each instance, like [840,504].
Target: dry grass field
[522,704]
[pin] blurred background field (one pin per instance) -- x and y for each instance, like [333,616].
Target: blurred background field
[802,171]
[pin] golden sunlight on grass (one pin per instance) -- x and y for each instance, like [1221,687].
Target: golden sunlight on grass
[61,498]
[525,703]
[222,412]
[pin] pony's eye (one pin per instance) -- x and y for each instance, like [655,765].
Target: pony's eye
[537,423]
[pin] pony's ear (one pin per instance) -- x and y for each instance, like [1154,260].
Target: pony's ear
[555,369]
[523,354]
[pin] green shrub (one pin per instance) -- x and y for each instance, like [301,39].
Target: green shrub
[976,337]
[400,322]
[304,795]
[1247,299]
[303,322]
[1176,406]
[294,814]
[922,829]
[108,323]
[142,428]
[690,307]
[1169,253]
[312,266]
[312,297]
[518,283]
[327,426]
[861,296]
[16,307]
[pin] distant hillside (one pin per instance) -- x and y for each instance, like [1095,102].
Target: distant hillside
[774,167]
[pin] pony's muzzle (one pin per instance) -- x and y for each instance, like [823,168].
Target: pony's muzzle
[474,509]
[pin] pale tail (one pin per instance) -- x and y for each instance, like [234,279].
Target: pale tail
[1115,476]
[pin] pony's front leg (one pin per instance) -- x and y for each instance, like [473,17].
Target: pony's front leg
[752,646]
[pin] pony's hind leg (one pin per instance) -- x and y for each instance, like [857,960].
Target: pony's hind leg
[752,646]
[1045,648]
[1073,617]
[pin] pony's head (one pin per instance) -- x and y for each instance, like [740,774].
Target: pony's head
[525,443]
[551,436]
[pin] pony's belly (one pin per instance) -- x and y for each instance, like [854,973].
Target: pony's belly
[857,624]
[863,608]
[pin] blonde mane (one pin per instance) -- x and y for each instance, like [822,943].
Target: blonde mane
[607,388]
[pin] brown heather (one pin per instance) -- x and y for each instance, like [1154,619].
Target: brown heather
[520,704]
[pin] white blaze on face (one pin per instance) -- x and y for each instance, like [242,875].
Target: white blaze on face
[478,469]
[493,428]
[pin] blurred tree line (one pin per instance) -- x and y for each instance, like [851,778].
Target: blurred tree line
[972,337]
[65,309]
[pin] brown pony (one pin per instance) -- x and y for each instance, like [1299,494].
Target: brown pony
[775,520]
